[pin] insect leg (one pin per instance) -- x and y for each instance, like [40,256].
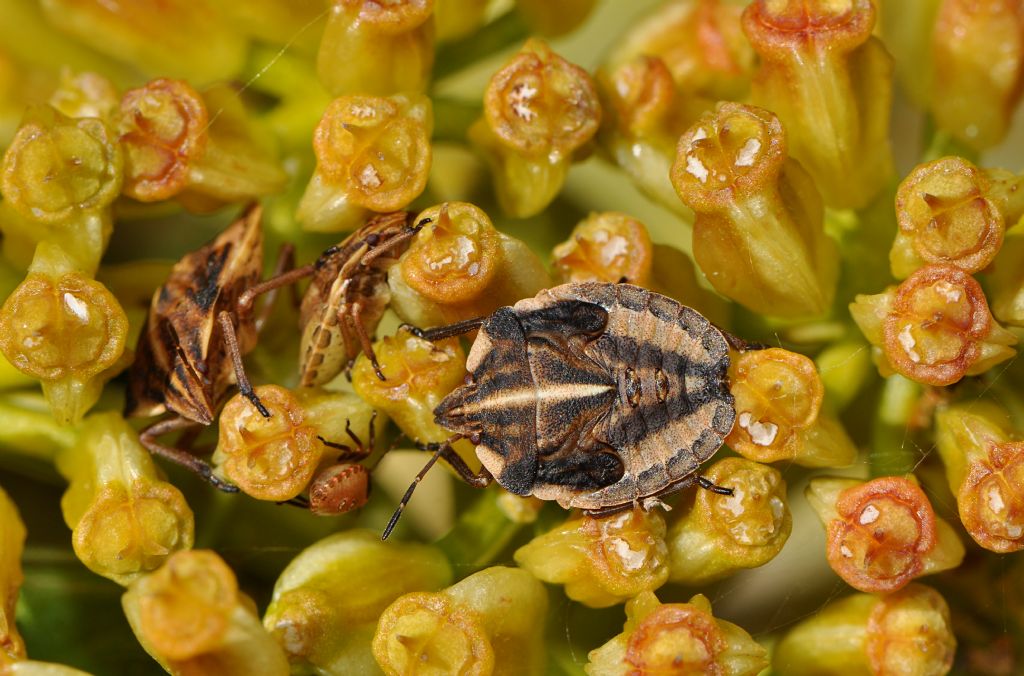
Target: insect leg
[739,344]
[361,450]
[247,299]
[148,438]
[442,332]
[707,484]
[364,339]
[231,343]
[442,450]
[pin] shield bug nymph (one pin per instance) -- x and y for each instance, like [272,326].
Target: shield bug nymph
[597,395]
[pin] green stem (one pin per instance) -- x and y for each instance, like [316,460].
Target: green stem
[28,427]
[480,534]
[939,143]
[892,450]
[505,31]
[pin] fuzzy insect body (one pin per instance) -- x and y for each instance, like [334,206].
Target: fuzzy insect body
[596,395]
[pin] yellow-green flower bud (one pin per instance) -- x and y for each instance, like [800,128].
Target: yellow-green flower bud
[372,154]
[978,59]
[830,82]
[907,27]
[293,24]
[327,601]
[66,330]
[269,458]
[601,560]
[175,148]
[12,543]
[85,94]
[492,622]
[552,19]
[454,19]
[459,266]
[60,175]
[125,520]
[985,470]
[778,397]
[716,535]
[539,110]
[1006,283]
[191,617]
[677,638]
[377,49]
[606,247]
[908,632]
[951,212]
[759,235]
[934,328]
[178,38]
[883,533]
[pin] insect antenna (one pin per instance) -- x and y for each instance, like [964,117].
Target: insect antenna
[709,485]
[412,487]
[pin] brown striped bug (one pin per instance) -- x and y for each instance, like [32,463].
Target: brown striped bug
[599,396]
[200,324]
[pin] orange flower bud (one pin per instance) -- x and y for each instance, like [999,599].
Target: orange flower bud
[606,247]
[883,533]
[269,458]
[935,328]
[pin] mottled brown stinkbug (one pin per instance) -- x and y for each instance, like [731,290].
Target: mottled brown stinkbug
[599,396]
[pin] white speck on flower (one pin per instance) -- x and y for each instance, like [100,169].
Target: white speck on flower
[907,341]
[696,168]
[363,112]
[994,497]
[734,503]
[700,134]
[631,559]
[612,249]
[869,515]
[845,551]
[948,291]
[76,306]
[748,152]
[369,177]
[520,97]
[761,433]
[437,265]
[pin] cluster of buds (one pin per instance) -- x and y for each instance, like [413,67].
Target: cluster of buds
[935,327]
[539,111]
[191,617]
[326,602]
[676,638]
[717,535]
[881,534]
[490,622]
[662,75]
[984,466]
[601,561]
[830,82]
[759,232]
[461,267]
